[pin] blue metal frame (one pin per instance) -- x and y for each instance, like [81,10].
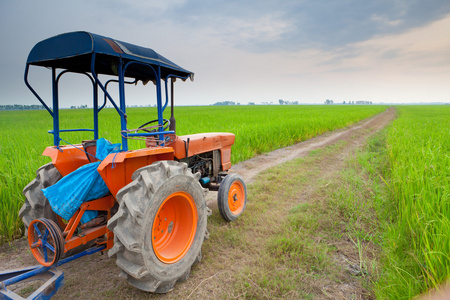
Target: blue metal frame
[99,83]
[34,92]
[167,92]
[158,98]
[95,106]
[49,288]
[46,291]
[55,102]
[83,44]
[106,87]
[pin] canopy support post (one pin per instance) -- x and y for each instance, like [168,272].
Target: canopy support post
[56,138]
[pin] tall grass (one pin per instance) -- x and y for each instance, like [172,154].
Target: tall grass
[418,244]
[258,129]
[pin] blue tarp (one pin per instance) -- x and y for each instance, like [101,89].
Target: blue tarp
[82,185]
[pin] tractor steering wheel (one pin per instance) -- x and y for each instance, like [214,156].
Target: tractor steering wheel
[143,127]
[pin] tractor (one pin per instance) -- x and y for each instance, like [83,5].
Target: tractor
[153,217]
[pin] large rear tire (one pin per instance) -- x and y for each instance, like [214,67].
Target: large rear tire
[160,226]
[36,206]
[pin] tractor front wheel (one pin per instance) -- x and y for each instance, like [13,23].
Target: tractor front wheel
[160,226]
[232,197]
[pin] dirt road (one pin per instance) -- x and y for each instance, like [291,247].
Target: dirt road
[248,169]
[96,276]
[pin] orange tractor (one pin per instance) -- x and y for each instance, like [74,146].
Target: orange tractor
[154,214]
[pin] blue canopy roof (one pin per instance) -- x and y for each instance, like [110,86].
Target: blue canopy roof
[73,51]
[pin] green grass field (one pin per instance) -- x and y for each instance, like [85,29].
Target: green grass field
[258,129]
[400,203]
[417,244]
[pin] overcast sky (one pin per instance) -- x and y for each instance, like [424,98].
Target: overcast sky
[258,51]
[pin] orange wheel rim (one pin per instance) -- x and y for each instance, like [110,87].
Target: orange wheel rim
[174,227]
[42,243]
[236,198]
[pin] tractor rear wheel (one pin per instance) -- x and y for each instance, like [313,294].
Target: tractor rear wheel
[160,226]
[36,206]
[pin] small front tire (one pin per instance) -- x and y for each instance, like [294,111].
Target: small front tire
[232,197]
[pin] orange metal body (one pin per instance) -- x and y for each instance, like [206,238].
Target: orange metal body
[67,159]
[117,168]
[205,142]
[74,239]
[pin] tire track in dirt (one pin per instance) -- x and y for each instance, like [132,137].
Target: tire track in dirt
[250,168]
[327,170]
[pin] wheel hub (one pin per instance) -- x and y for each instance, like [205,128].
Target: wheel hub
[174,227]
[236,198]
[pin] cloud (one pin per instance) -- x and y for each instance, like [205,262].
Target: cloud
[250,51]
[266,26]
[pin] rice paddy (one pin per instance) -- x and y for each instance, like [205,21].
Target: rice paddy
[258,129]
[417,245]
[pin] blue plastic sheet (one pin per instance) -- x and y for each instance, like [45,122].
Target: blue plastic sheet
[82,185]
[104,147]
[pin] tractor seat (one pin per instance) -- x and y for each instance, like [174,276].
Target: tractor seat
[90,147]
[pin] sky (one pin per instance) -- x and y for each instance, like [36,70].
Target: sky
[391,51]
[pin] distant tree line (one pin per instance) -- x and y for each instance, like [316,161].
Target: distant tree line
[226,103]
[21,107]
[361,102]
[77,107]
[283,102]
